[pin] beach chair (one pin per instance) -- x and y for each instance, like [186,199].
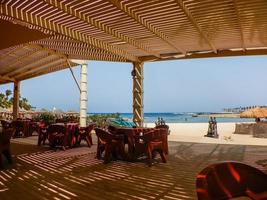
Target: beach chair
[151,142]
[19,128]
[42,133]
[5,137]
[6,124]
[85,134]
[110,144]
[165,139]
[57,136]
[227,180]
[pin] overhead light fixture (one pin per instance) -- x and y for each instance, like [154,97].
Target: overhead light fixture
[237,49]
[255,48]
[119,43]
[179,56]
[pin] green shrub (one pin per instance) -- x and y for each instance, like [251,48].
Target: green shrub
[47,117]
[101,119]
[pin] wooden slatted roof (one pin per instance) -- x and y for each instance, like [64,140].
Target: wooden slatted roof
[126,31]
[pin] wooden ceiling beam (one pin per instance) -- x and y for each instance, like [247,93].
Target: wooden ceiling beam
[37,20]
[147,25]
[195,24]
[39,62]
[239,25]
[11,51]
[55,68]
[70,48]
[101,26]
[38,49]
[6,78]
[20,61]
[219,54]
[41,67]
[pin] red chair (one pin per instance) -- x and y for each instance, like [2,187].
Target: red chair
[150,143]
[57,135]
[19,128]
[6,124]
[166,132]
[42,133]
[85,134]
[110,144]
[5,137]
[33,127]
[227,180]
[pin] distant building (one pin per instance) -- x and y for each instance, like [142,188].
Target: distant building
[241,109]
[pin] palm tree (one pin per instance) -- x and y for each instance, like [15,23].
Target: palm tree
[6,101]
[23,103]
[8,93]
[2,100]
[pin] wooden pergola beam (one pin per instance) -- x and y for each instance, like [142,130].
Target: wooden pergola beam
[20,60]
[42,22]
[6,78]
[55,68]
[101,26]
[40,68]
[195,24]
[239,25]
[41,62]
[16,94]
[71,49]
[138,94]
[147,25]
[39,49]
[12,51]
[219,54]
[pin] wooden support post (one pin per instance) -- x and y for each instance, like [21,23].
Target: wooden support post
[83,95]
[138,112]
[16,95]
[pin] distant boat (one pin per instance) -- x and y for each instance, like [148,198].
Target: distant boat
[194,115]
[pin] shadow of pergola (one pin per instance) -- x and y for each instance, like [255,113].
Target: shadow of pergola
[76,174]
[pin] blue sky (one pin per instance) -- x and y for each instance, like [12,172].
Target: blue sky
[169,86]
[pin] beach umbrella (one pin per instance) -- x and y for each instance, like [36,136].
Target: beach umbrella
[257,112]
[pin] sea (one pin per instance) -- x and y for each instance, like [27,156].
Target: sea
[180,117]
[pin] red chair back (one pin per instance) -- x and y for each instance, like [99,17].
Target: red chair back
[5,136]
[103,135]
[56,128]
[228,180]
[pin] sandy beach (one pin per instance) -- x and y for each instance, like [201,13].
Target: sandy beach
[194,132]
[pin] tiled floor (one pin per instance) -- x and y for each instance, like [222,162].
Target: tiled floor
[41,173]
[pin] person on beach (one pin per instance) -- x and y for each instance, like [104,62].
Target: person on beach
[215,133]
[212,129]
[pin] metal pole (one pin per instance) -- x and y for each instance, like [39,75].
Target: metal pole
[73,75]
[83,95]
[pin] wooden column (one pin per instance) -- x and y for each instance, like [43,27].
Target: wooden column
[83,95]
[16,95]
[138,112]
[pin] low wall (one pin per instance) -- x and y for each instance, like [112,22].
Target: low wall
[258,130]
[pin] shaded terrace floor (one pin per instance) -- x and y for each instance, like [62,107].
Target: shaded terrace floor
[41,173]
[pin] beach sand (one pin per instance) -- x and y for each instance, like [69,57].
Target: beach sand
[194,132]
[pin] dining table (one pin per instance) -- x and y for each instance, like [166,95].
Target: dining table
[22,127]
[71,133]
[130,135]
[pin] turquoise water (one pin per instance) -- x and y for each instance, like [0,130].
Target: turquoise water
[179,118]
